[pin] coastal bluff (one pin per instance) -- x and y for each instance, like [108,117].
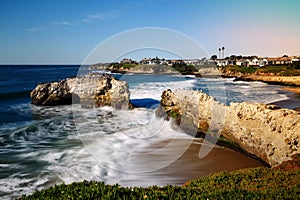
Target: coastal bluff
[266,131]
[91,90]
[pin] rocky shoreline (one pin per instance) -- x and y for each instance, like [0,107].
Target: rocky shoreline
[267,131]
[270,133]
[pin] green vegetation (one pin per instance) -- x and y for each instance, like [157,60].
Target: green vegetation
[243,70]
[174,114]
[296,65]
[184,68]
[280,70]
[253,183]
[178,67]
[128,66]
[120,66]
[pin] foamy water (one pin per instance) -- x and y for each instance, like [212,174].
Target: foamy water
[64,144]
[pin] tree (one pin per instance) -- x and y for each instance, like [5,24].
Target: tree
[239,57]
[214,57]
[232,57]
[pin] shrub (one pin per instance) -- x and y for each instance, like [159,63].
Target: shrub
[255,183]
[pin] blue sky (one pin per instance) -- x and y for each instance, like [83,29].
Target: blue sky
[65,31]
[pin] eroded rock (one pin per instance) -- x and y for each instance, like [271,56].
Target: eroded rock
[270,133]
[92,90]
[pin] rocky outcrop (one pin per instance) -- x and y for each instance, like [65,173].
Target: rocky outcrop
[55,93]
[92,90]
[266,131]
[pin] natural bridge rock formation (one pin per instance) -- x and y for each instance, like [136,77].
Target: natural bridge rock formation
[270,133]
[92,90]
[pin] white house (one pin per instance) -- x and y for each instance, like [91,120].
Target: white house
[222,62]
[239,62]
[246,62]
[263,62]
[254,62]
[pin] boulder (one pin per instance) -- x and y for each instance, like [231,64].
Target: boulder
[266,131]
[91,90]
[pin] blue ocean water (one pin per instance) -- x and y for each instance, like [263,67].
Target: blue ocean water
[43,146]
[16,82]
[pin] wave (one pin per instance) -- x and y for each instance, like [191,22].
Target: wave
[154,90]
[98,144]
[64,144]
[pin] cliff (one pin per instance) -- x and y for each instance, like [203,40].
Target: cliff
[266,131]
[92,90]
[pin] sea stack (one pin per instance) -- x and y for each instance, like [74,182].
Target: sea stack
[91,90]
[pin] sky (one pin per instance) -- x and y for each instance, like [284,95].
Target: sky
[66,31]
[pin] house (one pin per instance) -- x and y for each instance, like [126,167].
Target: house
[295,59]
[253,62]
[222,62]
[153,61]
[263,62]
[146,61]
[194,62]
[127,61]
[239,62]
[246,62]
[173,62]
[279,61]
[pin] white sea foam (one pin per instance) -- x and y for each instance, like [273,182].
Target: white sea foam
[69,143]
[256,92]
[154,89]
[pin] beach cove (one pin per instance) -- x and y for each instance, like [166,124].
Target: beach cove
[138,128]
[189,161]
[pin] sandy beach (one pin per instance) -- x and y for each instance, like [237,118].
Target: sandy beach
[189,166]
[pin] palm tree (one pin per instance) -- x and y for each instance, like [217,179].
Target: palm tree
[223,49]
[219,53]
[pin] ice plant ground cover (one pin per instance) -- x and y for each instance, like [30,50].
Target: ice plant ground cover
[254,183]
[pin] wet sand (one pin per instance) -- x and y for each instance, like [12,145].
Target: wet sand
[293,101]
[188,166]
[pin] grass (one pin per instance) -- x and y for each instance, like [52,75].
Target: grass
[253,183]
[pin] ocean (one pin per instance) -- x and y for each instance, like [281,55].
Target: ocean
[44,146]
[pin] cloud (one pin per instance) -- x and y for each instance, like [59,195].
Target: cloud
[93,17]
[61,23]
[101,16]
[50,25]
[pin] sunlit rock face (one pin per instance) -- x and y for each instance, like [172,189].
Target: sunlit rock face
[92,90]
[268,132]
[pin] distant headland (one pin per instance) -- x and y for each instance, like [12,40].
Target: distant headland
[244,67]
